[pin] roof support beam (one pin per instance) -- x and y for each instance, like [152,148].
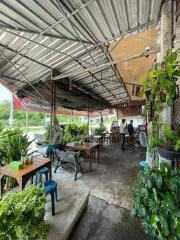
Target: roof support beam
[132,30]
[69,15]
[21,74]
[118,99]
[100,67]
[113,90]
[43,45]
[73,13]
[22,55]
[17,30]
[115,70]
[90,94]
[74,28]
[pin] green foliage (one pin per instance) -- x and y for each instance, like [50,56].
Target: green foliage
[13,143]
[160,81]
[46,136]
[161,88]
[100,130]
[22,213]
[157,202]
[72,132]
[4,110]
[169,139]
[34,118]
[177,146]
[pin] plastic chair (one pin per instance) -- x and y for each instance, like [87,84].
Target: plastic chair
[51,188]
[143,164]
[68,159]
[39,174]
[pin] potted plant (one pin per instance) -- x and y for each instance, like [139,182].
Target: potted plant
[22,215]
[169,145]
[157,202]
[12,144]
[100,130]
[161,87]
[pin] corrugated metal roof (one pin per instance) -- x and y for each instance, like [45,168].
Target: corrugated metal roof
[37,36]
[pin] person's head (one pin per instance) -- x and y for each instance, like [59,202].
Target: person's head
[131,121]
[124,120]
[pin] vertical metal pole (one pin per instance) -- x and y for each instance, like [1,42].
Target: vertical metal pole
[51,100]
[88,114]
[54,105]
[101,122]
[26,119]
[117,113]
[11,113]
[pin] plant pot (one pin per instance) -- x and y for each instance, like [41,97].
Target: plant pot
[168,156]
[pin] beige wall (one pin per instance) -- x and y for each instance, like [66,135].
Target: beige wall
[129,112]
[131,71]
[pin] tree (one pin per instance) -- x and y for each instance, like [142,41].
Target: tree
[4,110]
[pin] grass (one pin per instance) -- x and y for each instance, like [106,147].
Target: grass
[33,129]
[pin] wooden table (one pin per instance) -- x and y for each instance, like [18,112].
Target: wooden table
[88,148]
[23,175]
[99,139]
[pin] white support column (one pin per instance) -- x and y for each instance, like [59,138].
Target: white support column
[166,44]
[166,27]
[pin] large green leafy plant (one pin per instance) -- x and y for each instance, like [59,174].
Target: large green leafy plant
[169,139]
[100,130]
[22,215]
[157,202]
[160,83]
[73,132]
[13,143]
[160,89]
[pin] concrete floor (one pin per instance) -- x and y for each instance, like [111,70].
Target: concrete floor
[109,183]
[102,221]
[111,180]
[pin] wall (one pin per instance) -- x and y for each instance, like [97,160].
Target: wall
[131,71]
[129,112]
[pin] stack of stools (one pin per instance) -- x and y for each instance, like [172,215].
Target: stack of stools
[50,186]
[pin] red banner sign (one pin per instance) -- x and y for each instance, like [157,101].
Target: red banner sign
[28,104]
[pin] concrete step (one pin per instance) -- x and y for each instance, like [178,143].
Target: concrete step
[68,210]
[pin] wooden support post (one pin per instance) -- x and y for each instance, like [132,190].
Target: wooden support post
[51,117]
[53,107]
[117,114]
[101,122]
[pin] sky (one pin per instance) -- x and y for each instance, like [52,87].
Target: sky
[5,94]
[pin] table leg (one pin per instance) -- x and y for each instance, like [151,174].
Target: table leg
[98,153]
[22,182]
[50,171]
[31,179]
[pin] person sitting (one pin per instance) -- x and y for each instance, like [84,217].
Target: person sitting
[131,142]
[131,128]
